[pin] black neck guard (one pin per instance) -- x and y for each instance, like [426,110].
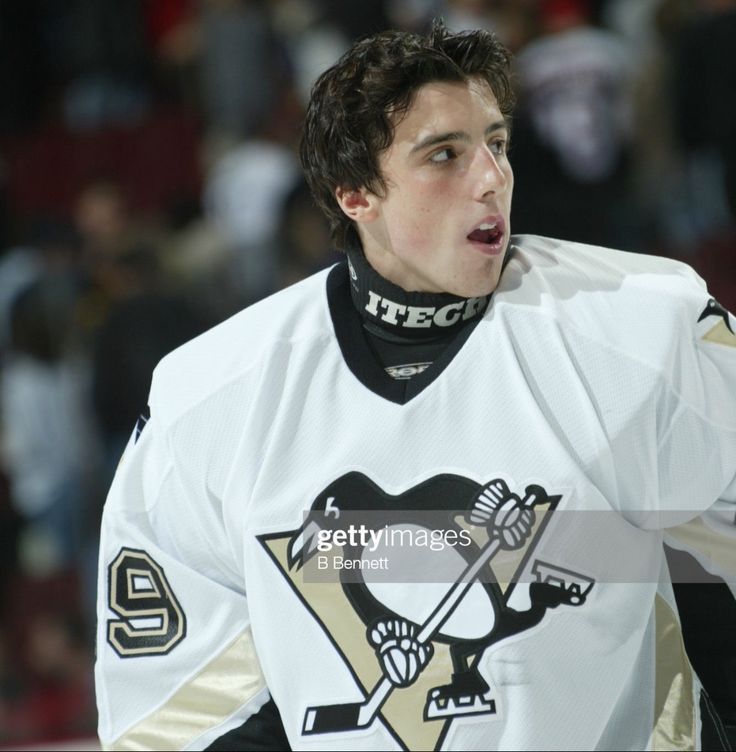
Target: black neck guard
[392,313]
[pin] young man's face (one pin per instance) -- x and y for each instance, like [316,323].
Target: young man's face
[443,224]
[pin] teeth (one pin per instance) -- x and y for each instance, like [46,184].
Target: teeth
[487,226]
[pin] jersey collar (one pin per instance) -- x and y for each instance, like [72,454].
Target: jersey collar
[352,336]
[393,313]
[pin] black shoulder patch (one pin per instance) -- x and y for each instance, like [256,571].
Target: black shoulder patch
[714,308]
[140,424]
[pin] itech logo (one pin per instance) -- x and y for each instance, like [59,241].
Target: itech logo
[418,317]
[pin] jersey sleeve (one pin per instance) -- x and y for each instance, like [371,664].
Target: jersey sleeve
[176,666]
[711,540]
[697,414]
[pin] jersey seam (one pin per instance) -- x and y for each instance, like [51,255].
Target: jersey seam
[169,470]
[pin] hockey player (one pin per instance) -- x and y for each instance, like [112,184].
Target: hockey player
[558,404]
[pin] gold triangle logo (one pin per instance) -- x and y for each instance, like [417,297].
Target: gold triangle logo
[329,605]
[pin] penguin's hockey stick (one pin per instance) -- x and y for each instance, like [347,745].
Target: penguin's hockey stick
[325,719]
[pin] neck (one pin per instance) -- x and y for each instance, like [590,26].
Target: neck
[389,310]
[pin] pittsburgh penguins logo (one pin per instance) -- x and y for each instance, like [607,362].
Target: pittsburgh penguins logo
[415,649]
[722,332]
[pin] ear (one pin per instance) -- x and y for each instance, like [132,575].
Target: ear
[359,205]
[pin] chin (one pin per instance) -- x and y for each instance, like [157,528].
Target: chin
[474,292]
[478,277]
[477,287]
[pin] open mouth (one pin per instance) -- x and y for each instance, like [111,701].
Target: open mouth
[489,234]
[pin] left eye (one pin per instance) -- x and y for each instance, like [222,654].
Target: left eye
[498,147]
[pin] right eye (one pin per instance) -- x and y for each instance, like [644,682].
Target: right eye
[443,155]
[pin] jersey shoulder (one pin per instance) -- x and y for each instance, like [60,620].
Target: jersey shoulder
[236,348]
[641,305]
[568,266]
[616,285]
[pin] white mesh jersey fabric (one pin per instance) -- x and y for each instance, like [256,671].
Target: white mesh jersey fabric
[588,376]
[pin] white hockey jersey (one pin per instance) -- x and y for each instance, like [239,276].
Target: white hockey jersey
[598,392]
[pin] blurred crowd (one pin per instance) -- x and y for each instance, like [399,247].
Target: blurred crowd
[149,188]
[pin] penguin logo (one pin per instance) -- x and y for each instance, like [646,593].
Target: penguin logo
[415,649]
[722,332]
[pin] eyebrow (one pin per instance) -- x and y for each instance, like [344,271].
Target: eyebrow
[439,138]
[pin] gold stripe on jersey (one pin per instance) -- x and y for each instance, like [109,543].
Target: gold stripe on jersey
[721,335]
[674,702]
[718,549]
[210,698]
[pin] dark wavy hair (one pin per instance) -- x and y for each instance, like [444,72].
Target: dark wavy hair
[357,103]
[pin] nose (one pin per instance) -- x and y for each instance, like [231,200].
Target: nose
[491,176]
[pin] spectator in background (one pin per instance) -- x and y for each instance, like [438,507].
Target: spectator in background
[195,262]
[314,36]
[574,131]
[41,380]
[107,231]
[46,436]
[19,266]
[121,266]
[242,66]
[655,158]
[244,192]
[304,243]
[102,217]
[143,323]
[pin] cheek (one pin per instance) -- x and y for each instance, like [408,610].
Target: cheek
[414,232]
[510,181]
[418,215]
[422,201]
[414,219]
